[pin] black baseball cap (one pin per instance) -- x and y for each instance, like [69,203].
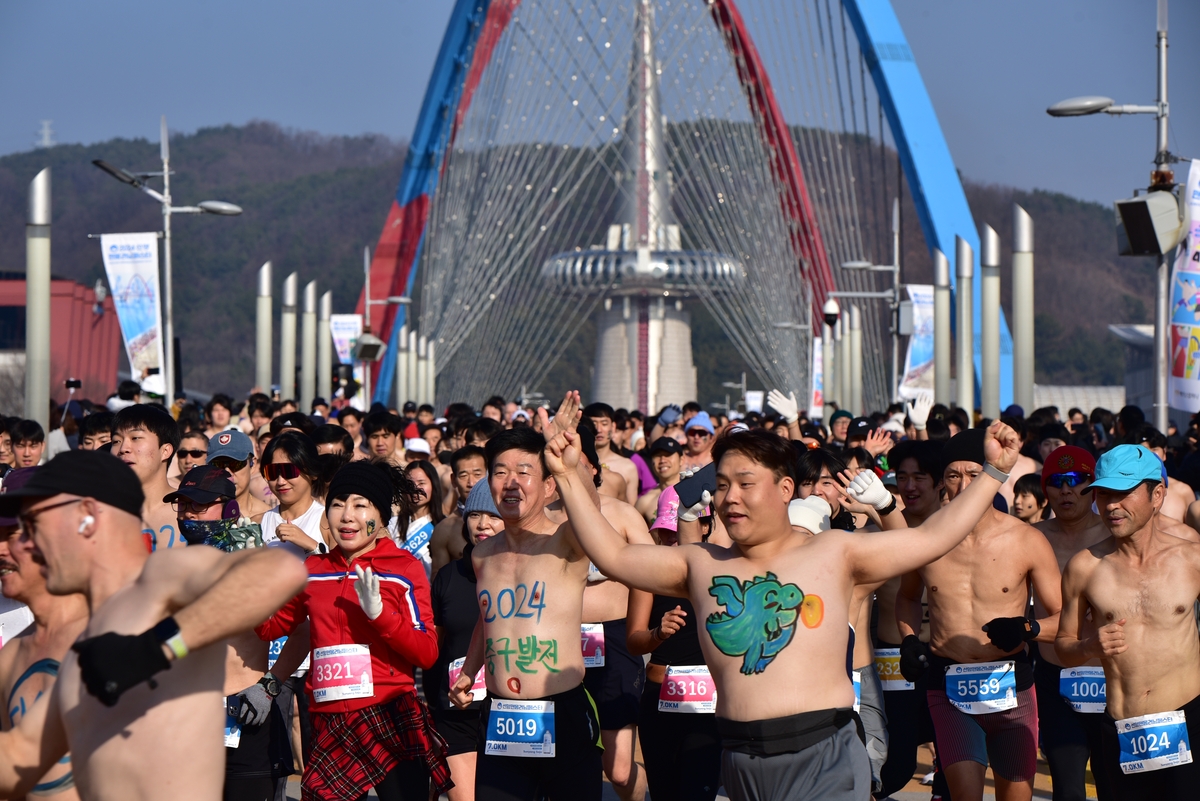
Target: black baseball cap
[860,427]
[666,445]
[88,474]
[204,484]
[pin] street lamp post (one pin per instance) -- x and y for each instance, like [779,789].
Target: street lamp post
[1161,179]
[892,295]
[219,207]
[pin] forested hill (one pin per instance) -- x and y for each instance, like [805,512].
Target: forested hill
[311,202]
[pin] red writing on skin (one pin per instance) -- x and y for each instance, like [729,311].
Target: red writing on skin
[514,685]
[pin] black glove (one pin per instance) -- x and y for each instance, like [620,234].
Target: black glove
[256,705]
[914,658]
[112,663]
[1006,633]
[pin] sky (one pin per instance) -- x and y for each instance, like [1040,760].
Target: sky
[103,70]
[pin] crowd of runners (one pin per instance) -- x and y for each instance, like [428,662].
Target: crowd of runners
[200,602]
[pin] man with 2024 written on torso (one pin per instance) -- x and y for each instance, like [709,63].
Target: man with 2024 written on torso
[784,713]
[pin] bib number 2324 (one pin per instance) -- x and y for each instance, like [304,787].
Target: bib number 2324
[520,729]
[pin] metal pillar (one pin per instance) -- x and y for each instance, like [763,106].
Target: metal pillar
[422,372]
[964,259]
[1022,301]
[287,340]
[308,347]
[846,366]
[1162,298]
[827,368]
[262,330]
[324,348]
[401,357]
[431,373]
[856,362]
[989,324]
[411,393]
[37,302]
[941,328]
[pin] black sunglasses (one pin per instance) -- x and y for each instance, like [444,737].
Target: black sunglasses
[191,454]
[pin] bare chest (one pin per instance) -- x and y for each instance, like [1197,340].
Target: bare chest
[988,572]
[1160,595]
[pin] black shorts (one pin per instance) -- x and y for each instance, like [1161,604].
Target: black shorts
[1158,785]
[459,728]
[616,687]
[263,751]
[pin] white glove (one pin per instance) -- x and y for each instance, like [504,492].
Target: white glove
[692,513]
[867,488]
[918,411]
[785,405]
[367,588]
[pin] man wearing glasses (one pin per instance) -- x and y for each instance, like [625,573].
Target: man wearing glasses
[233,452]
[147,677]
[698,451]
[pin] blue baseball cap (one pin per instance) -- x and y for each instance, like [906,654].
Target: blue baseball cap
[232,444]
[1124,467]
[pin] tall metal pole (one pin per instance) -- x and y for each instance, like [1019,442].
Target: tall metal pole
[941,328]
[401,357]
[431,371]
[1162,161]
[422,372]
[366,368]
[287,340]
[324,347]
[168,367]
[411,393]
[308,347]
[37,301]
[895,305]
[856,362]
[964,258]
[1022,292]
[262,330]
[827,368]
[847,366]
[989,323]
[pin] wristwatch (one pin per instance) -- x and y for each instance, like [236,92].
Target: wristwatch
[995,472]
[166,632]
[271,685]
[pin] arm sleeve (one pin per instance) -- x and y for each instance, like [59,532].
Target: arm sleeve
[406,624]
[283,622]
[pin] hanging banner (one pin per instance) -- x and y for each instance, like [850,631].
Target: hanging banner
[1184,383]
[816,406]
[345,330]
[131,263]
[918,362]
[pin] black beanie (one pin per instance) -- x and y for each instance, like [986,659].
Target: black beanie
[965,446]
[372,481]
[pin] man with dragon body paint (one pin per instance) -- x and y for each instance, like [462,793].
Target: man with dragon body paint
[776,608]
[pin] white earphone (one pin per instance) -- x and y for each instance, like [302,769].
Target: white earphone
[87,521]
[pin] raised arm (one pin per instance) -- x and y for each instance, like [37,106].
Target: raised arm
[646,567]
[33,747]
[878,557]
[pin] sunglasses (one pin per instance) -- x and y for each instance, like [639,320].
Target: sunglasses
[192,454]
[232,465]
[280,469]
[697,432]
[1073,479]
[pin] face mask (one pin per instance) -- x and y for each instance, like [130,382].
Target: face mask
[225,535]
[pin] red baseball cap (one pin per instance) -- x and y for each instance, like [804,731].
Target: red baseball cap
[1068,459]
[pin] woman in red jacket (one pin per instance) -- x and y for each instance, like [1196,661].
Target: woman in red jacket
[372,625]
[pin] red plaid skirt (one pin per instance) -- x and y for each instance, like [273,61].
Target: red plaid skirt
[354,751]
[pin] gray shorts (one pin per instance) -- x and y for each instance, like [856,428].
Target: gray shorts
[834,769]
[874,721]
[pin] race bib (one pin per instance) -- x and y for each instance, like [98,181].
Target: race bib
[887,665]
[688,688]
[982,688]
[520,729]
[478,689]
[1153,742]
[591,636]
[856,677]
[594,574]
[341,672]
[1083,688]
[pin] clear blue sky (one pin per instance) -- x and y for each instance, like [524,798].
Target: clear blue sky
[101,70]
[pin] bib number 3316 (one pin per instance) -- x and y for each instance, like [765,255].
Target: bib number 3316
[1153,742]
[520,729]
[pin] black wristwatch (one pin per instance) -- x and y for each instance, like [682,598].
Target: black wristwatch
[887,510]
[271,685]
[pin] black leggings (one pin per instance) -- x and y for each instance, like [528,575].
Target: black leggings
[1068,738]
[253,789]
[408,781]
[908,726]
[682,751]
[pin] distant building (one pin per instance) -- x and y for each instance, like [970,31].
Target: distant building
[1139,371]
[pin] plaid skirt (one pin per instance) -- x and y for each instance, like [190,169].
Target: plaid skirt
[353,751]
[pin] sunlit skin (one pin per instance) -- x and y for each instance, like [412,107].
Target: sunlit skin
[492,413]
[11,581]
[827,487]
[470,471]
[434,437]
[91,442]
[839,429]
[258,420]
[219,419]
[356,525]
[481,526]
[666,467]
[28,453]
[382,443]
[139,449]
[295,497]
[196,510]
[193,442]
[330,447]
[6,450]
[418,477]
[353,427]
[1026,508]
[611,460]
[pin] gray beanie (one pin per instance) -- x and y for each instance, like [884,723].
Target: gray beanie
[480,500]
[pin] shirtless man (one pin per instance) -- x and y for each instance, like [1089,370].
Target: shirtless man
[793,735]
[1069,728]
[700,435]
[122,695]
[234,452]
[1024,466]
[145,437]
[468,466]
[530,580]
[601,417]
[614,676]
[1179,495]
[980,689]
[29,663]
[666,460]
[1139,586]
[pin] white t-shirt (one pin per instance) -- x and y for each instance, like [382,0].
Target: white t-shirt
[309,523]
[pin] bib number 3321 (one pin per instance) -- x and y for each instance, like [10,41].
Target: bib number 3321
[1153,742]
[342,671]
